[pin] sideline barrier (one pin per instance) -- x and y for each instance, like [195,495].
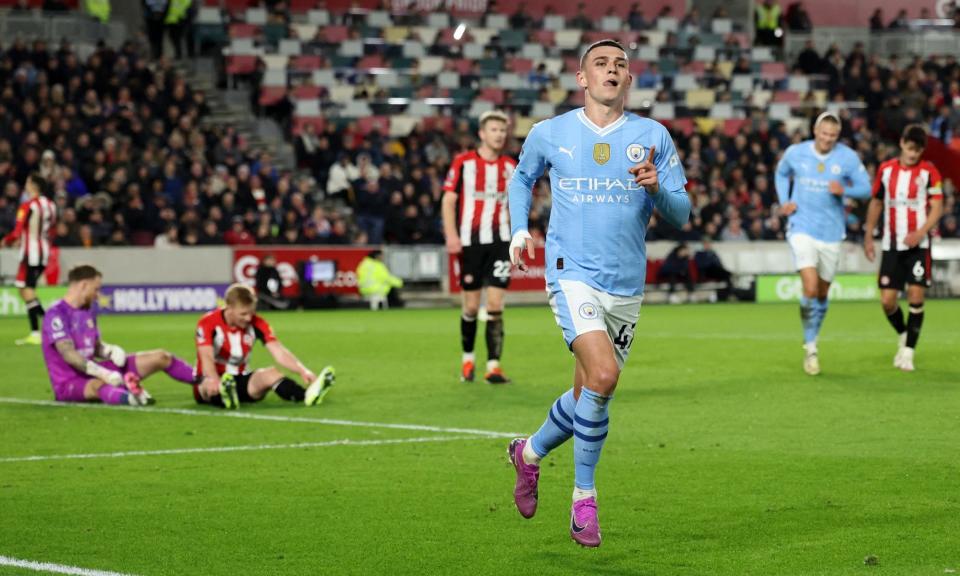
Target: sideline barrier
[429,267]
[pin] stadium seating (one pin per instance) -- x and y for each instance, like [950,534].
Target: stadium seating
[368,82]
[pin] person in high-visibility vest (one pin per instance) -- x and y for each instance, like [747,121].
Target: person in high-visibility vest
[176,23]
[375,282]
[768,24]
[99,9]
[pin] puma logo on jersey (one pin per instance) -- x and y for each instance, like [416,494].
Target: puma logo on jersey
[568,152]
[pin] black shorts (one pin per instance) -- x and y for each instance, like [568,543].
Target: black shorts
[898,268]
[27,276]
[243,395]
[485,265]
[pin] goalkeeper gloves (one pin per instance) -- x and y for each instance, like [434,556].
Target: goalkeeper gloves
[114,353]
[103,374]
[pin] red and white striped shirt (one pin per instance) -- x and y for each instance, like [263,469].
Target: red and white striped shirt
[906,192]
[231,346]
[482,187]
[35,219]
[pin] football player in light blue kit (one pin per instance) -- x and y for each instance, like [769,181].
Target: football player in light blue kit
[608,171]
[822,172]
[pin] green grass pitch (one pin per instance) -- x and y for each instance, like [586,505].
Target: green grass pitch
[723,457]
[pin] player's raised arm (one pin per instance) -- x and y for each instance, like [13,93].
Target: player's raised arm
[520,193]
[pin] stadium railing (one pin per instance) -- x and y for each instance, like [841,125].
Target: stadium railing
[53,27]
[924,43]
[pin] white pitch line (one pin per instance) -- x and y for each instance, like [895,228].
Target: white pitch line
[55,568]
[247,448]
[268,417]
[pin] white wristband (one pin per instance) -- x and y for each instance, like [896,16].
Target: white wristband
[519,240]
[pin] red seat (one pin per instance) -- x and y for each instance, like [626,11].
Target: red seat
[243,30]
[370,62]
[774,71]
[543,37]
[571,63]
[494,95]
[302,6]
[695,67]
[241,65]
[141,238]
[733,126]
[520,65]
[681,125]
[367,124]
[270,95]
[462,66]
[300,123]
[335,34]
[692,267]
[576,98]
[653,270]
[306,92]
[305,63]
[595,36]
[237,7]
[426,91]
[438,123]
[787,96]
[637,67]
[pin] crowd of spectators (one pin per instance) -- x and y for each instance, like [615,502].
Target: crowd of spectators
[121,140]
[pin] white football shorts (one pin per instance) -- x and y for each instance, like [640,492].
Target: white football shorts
[809,252]
[580,308]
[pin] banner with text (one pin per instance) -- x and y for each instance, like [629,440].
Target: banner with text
[247,260]
[148,299]
[533,280]
[12,305]
[845,287]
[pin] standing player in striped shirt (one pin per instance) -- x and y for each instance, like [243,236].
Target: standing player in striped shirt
[476,186]
[907,190]
[34,228]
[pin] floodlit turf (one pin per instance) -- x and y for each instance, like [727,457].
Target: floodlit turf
[722,458]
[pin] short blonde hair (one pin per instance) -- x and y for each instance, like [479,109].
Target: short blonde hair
[493,115]
[240,295]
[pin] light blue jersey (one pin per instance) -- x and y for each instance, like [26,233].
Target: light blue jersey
[599,215]
[819,214]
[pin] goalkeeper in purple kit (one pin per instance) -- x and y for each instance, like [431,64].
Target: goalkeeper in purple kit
[84,368]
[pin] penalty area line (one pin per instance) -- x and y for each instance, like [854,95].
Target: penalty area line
[55,568]
[247,448]
[266,417]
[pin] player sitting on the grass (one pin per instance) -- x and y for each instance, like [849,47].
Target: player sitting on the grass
[910,190]
[72,344]
[225,338]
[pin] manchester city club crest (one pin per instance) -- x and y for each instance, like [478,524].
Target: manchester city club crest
[588,311]
[636,153]
[835,169]
[601,153]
